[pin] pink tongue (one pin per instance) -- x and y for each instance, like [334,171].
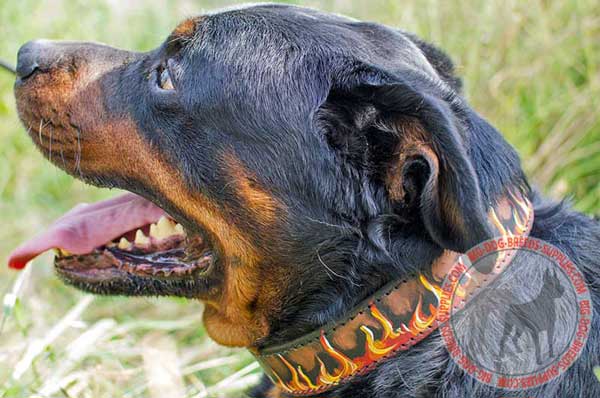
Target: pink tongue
[86,227]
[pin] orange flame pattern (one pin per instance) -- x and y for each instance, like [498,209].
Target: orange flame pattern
[381,336]
[391,339]
[299,383]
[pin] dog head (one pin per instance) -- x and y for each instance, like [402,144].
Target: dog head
[310,159]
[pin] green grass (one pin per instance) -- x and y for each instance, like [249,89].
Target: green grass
[532,68]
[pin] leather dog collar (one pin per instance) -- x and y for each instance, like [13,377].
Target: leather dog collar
[395,318]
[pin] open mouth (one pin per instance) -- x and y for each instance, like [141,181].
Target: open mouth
[124,245]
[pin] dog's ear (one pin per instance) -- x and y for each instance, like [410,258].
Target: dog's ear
[418,148]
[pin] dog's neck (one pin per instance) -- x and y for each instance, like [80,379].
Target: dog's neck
[393,319]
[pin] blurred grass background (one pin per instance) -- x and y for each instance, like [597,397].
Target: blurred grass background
[531,68]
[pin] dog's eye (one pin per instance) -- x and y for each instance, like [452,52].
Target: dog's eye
[164,79]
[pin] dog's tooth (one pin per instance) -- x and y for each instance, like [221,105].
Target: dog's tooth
[165,227]
[179,229]
[154,231]
[124,244]
[140,238]
[62,252]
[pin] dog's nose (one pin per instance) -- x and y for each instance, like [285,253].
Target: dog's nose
[31,57]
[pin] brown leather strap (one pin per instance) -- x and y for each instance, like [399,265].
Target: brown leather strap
[395,318]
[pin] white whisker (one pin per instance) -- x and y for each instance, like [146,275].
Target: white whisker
[330,271]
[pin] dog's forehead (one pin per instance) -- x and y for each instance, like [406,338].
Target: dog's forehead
[255,28]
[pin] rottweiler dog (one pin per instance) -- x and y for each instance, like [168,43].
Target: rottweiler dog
[282,164]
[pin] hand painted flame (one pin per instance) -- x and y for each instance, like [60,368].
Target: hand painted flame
[520,222]
[498,224]
[521,219]
[436,290]
[421,321]
[306,379]
[388,328]
[347,367]
[391,339]
[523,203]
[280,383]
[381,347]
[295,384]
[521,213]
[300,382]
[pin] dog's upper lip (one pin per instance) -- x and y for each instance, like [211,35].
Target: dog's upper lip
[87,227]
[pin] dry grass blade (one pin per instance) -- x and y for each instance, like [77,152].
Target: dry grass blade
[37,345]
[210,364]
[7,67]
[11,298]
[161,365]
[239,381]
[77,350]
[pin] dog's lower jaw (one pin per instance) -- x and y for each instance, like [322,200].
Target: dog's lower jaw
[134,285]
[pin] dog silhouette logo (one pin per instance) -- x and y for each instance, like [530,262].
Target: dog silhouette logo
[534,317]
[525,327]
